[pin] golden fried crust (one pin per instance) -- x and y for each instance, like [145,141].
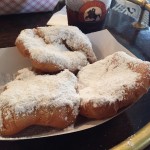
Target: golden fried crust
[22,49]
[45,67]
[100,112]
[55,117]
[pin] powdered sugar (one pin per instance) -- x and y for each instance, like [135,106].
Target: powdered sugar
[48,45]
[70,36]
[107,79]
[28,92]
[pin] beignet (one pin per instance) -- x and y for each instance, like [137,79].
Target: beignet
[31,99]
[53,49]
[111,84]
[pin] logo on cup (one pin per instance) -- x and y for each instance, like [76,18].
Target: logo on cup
[92,11]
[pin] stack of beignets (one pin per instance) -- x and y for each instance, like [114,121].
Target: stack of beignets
[53,49]
[98,91]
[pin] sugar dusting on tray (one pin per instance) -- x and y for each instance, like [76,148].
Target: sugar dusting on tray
[5,78]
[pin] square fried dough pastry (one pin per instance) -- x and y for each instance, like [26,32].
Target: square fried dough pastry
[31,99]
[112,84]
[55,48]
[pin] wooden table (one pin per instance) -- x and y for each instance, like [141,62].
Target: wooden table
[110,133]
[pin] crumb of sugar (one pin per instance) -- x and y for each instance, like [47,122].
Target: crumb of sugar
[71,127]
[105,81]
[130,141]
[33,91]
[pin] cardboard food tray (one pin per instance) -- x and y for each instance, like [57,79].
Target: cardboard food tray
[11,61]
